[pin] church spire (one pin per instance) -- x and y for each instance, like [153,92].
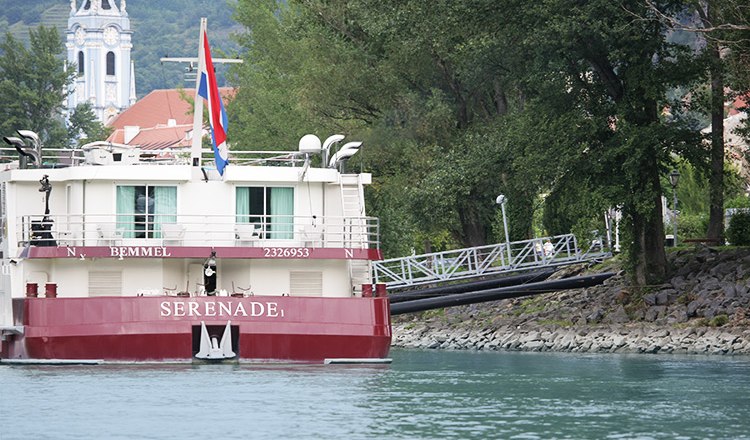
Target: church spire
[99,43]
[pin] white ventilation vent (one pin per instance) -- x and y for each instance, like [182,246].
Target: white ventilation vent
[303,283]
[103,283]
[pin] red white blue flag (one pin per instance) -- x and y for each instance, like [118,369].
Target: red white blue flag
[216,115]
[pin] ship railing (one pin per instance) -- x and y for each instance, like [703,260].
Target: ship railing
[486,260]
[199,230]
[51,157]
[103,153]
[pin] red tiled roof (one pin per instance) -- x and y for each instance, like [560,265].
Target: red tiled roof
[739,102]
[156,138]
[159,106]
[152,114]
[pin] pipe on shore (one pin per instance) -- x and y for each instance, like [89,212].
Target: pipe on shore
[529,289]
[474,286]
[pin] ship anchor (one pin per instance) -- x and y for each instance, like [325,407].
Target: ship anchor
[211,349]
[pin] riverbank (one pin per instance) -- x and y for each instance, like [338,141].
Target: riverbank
[704,308]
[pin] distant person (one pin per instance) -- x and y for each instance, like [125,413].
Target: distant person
[548,248]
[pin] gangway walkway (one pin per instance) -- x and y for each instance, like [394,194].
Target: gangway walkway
[559,250]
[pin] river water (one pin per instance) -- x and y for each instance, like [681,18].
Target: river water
[421,395]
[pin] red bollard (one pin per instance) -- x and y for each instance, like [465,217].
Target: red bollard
[380,290]
[366,290]
[32,290]
[50,290]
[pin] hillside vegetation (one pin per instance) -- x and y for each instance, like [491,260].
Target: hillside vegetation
[165,27]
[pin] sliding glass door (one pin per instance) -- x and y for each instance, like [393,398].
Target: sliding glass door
[142,209]
[270,207]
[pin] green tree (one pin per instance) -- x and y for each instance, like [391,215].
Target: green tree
[33,84]
[84,127]
[477,105]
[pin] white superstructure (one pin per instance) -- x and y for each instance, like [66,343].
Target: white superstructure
[125,223]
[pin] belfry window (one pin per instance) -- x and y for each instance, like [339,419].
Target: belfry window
[110,63]
[80,62]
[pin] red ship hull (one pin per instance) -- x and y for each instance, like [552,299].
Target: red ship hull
[167,328]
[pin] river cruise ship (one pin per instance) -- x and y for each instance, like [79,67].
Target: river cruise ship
[110,253]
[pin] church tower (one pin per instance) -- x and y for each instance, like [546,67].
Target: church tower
[98,44]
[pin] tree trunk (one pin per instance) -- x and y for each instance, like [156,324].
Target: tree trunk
[474,232]
[649,256]
[716,178]
[501,100]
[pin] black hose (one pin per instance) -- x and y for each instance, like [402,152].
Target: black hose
[474,286]
[529,289]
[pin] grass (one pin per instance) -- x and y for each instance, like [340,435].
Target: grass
[556,322]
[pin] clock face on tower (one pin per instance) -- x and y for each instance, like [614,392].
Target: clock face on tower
[110,36]
[80,36]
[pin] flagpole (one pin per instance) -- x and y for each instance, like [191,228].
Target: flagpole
[195,150]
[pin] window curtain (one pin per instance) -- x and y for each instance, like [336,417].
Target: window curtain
[282,213]
[125,210]
[165,207]
[242,205]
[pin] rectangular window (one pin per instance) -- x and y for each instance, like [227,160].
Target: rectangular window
[142,209]
[270,207]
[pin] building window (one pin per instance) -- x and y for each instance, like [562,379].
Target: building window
[141,210]
[80,62]
[88,5]
[270,207]
[110,63]
[106,5]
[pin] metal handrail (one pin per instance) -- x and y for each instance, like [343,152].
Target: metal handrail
[78,156]
[199,230]
[483,260]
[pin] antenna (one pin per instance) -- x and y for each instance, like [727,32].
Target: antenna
[190,70]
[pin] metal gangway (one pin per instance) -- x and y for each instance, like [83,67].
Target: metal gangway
[516,256]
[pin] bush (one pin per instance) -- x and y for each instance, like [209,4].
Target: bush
[738,232]
[690,226]
[718,321]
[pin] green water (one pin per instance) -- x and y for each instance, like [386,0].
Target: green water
[422,395]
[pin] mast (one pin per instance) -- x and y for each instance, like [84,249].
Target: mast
[195,150]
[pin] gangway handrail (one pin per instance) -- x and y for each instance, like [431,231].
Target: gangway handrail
[484,260]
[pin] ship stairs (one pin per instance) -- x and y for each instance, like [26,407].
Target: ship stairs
[353,203]
[485,261]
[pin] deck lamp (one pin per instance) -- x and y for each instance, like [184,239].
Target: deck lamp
[210,264]
[209,274]
[674,178]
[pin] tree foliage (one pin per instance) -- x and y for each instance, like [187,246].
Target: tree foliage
[461,101]
[33,84]
[160,28]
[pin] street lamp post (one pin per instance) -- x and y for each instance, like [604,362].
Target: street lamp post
[674,178]
[501,200]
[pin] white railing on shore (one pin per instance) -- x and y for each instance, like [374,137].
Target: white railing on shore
[198,230]
[485,260]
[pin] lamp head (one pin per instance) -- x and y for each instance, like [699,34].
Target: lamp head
[211,261]
[501,199]
[674,178]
